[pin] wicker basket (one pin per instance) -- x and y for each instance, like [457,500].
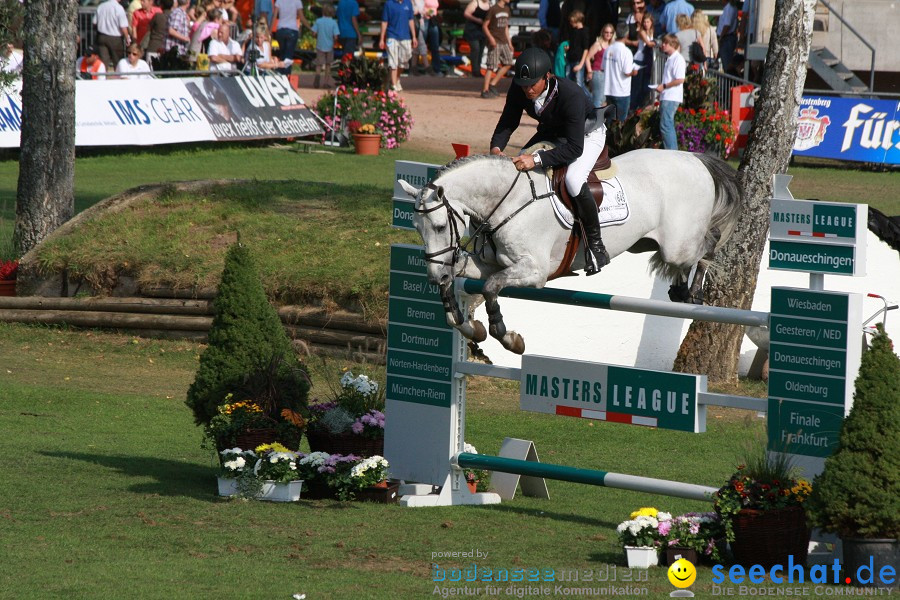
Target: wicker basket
[252,438]
[345,443]
[768,537]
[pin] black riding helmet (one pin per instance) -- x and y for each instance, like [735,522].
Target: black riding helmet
[531,66]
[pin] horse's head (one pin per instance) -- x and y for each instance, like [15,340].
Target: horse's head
[440,226]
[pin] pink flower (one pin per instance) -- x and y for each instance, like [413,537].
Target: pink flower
[357,427]
[664,527]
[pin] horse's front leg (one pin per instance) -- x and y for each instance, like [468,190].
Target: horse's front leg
[472,330]
[523,274]
[696,292]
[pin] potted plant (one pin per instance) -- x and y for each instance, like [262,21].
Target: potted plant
[640,536]
[237,475]
[857,496]
[364,479]
[692,536]
[383,109]
[276,468]
[478,480]
[352,422]
[314,468]
[761,507]
[366,137]
[245,424]
[8,271]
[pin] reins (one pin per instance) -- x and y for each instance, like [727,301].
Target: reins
[484,229]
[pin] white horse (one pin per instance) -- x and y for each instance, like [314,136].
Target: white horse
[682,205]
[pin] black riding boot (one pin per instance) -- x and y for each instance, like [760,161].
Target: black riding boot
[595,254]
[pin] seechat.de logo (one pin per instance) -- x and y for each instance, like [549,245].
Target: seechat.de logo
[867,574]
[682,574]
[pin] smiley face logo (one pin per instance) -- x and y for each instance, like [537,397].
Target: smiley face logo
[682,573]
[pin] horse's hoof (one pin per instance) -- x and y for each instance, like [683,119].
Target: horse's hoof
[514,343]
[679,293]
[479,333]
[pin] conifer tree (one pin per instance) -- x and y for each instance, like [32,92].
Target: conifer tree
[858,493]
[246,340]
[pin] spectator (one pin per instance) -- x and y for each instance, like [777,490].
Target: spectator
[141,18]
[134,63]
[179,34]
[727,32]
[655,8]
[264,7]
[204,31]
[419,64]
[633,20]
[671,90]
[687,37]
[263,47]
[549,17]
[398,37]
[576,55]
[224,53]
[700,22]
[10,60]
[474,14]
[595,55]
[112,32]
[290,18]
[619,68]
[327,33]
[433,36]
[348,24]
[158,29]
[90,66]
[500,50]
[670,12]
[644,59]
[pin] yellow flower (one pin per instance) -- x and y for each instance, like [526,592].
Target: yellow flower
[647,511]
[245,405]
[274,447]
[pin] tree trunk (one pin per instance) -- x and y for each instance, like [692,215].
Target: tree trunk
[46,197]
[713,348]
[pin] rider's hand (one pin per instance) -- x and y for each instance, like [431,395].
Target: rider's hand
[497,151]
[523,162]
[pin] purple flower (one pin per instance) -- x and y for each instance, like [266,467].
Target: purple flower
[664,527]
[357,427]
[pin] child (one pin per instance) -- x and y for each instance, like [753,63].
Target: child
[500,53]
[576,56]
[326,30]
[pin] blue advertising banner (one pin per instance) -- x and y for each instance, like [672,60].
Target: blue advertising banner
[849,129]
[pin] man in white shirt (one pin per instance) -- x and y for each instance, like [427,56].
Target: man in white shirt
[618,65]
[727,32]
[112,32]
[10,60]
[224,53]
[671,90]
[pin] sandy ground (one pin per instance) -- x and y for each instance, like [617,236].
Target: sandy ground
[446,110]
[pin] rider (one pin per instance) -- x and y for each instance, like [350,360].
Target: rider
[567,118]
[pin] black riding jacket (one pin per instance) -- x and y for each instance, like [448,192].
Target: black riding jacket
[567,117]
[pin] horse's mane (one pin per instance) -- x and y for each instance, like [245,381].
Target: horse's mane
[460,162]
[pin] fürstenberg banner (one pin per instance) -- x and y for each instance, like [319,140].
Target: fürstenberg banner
[849,129]
[145,112]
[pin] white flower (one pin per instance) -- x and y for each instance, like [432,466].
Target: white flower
[467,447]
[663,516]
[346,379]
[235,465]
[315,459]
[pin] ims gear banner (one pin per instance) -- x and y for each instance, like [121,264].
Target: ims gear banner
[145,112]
[849,129]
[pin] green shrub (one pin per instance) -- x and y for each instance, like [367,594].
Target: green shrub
[858,493]
[249,354]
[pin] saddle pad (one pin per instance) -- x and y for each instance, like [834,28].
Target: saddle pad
[613,211]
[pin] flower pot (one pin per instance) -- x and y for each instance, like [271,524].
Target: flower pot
[873,554]
[227,486]
[768,537]
[8,287]
[274,491]
[367,143]
[389,494]
[641,557]
[473,486]
[688,554]
[345,444]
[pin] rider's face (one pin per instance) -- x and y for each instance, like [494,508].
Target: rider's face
[533,91]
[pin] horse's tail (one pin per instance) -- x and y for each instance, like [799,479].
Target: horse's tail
[727,205]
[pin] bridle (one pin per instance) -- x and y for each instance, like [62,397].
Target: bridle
[484,229]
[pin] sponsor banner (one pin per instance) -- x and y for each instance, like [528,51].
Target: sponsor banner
[414,173]
[611,393]
[818,222]
[145,112]
[849,129]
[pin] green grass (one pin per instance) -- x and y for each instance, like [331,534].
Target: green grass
[106,492]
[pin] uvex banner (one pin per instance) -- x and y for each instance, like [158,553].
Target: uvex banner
[145,112]
[849,129]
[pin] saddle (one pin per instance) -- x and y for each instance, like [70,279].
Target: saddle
[603,169]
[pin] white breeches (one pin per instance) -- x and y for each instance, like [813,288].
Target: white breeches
[579,170]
